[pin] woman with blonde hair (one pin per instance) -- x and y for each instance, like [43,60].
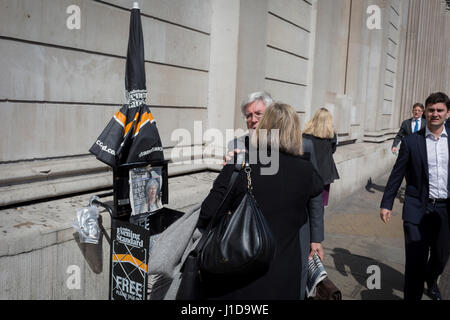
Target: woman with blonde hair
[280,129]
[320,131]
[283,199]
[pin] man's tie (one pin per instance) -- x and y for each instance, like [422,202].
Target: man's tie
[416,128]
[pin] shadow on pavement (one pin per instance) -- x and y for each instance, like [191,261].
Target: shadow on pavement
[376,187]
[390,279]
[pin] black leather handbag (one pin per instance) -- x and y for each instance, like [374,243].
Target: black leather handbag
[191,284]
[241,242]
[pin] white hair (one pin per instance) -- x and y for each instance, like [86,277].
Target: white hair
[252,97]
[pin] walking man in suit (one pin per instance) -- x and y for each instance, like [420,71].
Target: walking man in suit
[312,232]
[410,125]
[424,162]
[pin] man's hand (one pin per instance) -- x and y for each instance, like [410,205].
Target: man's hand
[316,247]
[230,155]
[394,150]
[385,215]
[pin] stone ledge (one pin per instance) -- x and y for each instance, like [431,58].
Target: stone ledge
[39,179]
[36,226]
[53,188]
[352,151]
[24,171]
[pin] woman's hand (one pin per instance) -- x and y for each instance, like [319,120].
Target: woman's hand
[230,155]
[316,247]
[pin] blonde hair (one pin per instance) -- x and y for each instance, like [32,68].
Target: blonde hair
[283,118]
[321,125]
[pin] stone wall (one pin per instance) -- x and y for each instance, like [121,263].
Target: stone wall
[61,86]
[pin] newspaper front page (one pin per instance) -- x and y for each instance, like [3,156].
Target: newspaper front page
[145,189]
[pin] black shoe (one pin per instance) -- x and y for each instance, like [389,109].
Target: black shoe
[433,292]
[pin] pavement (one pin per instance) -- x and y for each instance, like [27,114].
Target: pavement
[363,256]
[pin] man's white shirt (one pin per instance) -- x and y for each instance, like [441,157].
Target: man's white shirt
[437,152]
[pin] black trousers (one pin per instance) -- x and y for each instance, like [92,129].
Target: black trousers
[427,250]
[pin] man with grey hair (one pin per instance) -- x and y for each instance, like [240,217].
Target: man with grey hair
[252,108]
[312,232]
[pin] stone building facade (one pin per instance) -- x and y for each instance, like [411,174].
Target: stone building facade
[62,66]
[367,61]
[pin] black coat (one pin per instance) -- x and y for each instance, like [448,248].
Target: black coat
[324,148]
[283,198]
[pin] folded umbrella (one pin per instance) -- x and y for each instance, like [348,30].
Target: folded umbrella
[131,135]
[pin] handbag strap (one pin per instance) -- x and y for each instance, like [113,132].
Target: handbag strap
[237,168]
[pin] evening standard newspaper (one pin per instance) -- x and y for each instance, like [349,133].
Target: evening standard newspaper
[145,189]
[316,273]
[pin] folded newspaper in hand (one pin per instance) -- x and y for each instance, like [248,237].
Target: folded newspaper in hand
[316,273]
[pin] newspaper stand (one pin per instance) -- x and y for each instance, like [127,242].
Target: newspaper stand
[131,236]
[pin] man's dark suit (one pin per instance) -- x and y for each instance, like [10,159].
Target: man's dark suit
[406,129]
[419,225]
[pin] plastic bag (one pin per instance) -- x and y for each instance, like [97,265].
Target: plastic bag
[86,224]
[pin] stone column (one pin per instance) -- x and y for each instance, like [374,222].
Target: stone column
[376,72]
[223,66]
[447,41]
[330,63]
[426,52]
[356,74]
[238,57]
[251,53]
